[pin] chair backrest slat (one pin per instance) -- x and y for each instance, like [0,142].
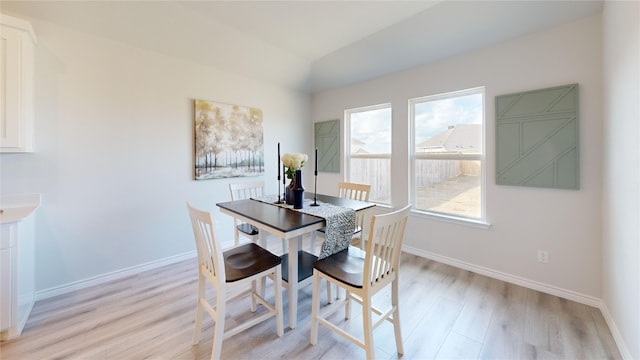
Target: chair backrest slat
[384,246]
[354,191]
[246,190]
[209,251]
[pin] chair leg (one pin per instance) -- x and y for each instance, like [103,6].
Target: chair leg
[252,295]
[312,249]
[218,332]
[396,316]
[315,307]
[337,292]
[347,306]
[201,297]
[312,246]
[368,329]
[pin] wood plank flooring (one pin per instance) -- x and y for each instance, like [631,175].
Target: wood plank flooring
[446,313]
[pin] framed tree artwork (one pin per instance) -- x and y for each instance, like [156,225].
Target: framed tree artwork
[228,141]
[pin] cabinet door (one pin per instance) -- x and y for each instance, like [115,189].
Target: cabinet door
[17,50]
[10,91]
[5,289]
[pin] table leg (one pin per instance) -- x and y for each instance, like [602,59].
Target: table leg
[293,280]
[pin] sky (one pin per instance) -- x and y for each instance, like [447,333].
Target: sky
[432,116]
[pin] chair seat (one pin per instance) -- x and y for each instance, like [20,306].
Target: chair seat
[248,229]
[247,260]
[305,265]
[345,266]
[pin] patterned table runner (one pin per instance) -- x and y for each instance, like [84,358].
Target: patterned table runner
[340,222]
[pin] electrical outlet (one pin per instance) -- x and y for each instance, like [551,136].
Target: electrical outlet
[543,256]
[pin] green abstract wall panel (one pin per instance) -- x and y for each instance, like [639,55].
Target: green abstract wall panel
[537,138]
[327,139]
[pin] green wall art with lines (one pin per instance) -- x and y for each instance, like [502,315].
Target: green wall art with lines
[537,138]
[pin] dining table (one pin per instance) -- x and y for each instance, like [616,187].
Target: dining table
[288,224]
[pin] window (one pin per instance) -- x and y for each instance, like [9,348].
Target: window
[448,154]
[368,152]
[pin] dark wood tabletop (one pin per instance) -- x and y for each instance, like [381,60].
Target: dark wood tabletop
[284,219]
[277,217]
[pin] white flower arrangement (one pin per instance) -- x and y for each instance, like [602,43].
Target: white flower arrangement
[293,162]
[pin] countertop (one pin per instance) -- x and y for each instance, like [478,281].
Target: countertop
[16,208]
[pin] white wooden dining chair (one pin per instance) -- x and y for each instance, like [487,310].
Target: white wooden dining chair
[241,265]
[240,191]
[247,190]
[353,191]
[360,192]
[363,274]
[348,190]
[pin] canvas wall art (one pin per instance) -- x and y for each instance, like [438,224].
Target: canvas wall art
[537,138]
[228,141]
[327,140]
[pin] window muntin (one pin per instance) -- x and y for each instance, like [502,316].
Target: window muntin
[368,150]
[448,154]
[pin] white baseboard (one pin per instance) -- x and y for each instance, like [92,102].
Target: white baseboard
[101,279]
[531,284]
[534,285]
[622,345]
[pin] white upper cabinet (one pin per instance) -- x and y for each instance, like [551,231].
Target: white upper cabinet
[17,45]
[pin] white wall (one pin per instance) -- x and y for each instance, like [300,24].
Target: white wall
[567,223]
[114,152]
[621,184]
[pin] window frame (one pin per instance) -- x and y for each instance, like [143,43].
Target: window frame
[347,145]
[413,156]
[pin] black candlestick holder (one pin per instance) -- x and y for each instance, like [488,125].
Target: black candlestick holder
[280,200]
[315,189]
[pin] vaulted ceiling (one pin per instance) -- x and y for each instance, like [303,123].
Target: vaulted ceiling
[308,45]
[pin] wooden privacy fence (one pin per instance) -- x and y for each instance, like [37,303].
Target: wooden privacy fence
[377,172]
[429,172]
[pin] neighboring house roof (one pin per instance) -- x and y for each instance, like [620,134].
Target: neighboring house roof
[456,138]
[359,145]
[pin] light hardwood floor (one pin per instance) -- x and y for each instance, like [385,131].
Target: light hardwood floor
[446,313]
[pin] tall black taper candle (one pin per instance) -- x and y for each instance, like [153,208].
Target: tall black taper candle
[315,185]
[279,199]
